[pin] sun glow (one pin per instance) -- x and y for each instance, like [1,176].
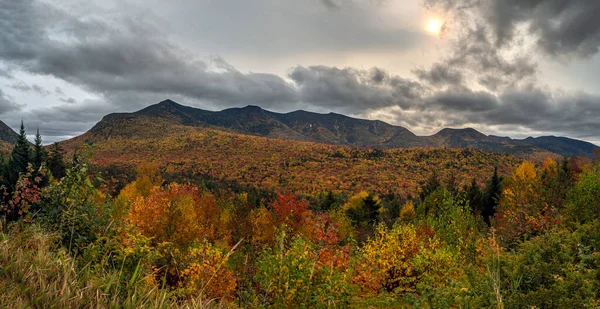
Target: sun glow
[435,26]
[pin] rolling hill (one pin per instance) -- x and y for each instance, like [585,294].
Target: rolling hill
[336,129]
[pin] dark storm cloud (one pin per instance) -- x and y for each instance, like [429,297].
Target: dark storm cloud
[441,75]
[576,115]
[463,101]
[131,56]
[353,90]
[561,27]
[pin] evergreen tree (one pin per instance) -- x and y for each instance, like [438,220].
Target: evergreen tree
[474,195]
[56,163]
[18,161]
[432,184]
[491,196]
[371,206]
[39,153]
[327,202]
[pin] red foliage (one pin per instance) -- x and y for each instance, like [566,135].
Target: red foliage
[290,210]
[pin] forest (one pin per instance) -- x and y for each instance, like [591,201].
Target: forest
[77,231]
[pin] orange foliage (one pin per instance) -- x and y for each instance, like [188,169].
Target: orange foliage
[208,274]
[293,166]
[178,214]
[263,227]
[291,211]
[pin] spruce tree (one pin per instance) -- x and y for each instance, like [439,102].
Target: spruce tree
[18,162]
[475,197]
[491,196]
[39,153]
[56,163]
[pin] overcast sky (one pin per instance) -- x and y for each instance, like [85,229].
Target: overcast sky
[505,67]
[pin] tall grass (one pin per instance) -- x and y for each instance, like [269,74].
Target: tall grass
[37,273]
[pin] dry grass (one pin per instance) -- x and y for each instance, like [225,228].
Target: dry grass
[36,273]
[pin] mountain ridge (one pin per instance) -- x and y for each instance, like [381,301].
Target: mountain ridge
[337,129]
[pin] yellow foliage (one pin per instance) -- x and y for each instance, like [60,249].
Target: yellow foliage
[178,214]
[355,201]
[148,179]
[407,212]
[208,275]
[396,260]
[525,171]
[263,227]
[550,167]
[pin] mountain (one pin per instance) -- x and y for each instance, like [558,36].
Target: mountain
[203,153]
[8,137]
[329,128]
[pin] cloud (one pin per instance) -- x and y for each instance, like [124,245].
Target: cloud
[110,59]
[7,105]
[440,75]
[23,87]
[332,4]
[560,27]
[353,90]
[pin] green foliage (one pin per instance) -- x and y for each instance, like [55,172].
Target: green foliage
[491,196]
[39,154]
[56,163]
[293,276]
[556,270]
[583,203]
[75,209]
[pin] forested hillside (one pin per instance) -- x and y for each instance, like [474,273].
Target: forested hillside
[338,129]
[279,164]
[528,239]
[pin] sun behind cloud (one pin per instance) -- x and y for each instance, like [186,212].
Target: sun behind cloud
[435,26]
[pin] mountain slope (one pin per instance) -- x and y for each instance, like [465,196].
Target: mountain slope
[8,137]
[330,129]
[280,164]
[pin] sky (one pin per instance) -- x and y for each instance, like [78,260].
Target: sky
[504,67]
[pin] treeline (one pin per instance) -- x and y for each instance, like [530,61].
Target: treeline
[530,239]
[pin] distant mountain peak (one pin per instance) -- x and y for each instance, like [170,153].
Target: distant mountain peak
[168,102]
[330,128]
[464,131]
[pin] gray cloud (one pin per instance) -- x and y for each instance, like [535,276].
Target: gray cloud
[129,57]
[332,4]
[561,27]
[475,55]
[441,75]
[7,105]
[353,90]
[23,87]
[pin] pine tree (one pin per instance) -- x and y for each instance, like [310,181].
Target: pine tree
[56,163]
[18,162]
[491,196]
[39,153]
